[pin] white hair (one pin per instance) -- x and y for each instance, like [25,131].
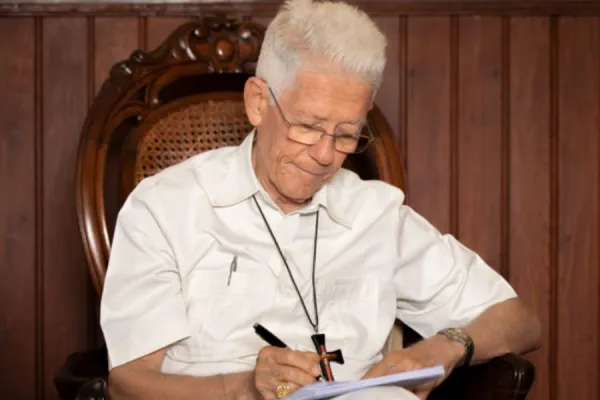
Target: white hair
[305,32]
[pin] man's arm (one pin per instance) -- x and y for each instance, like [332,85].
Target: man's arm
[442,284]
[507,327]
[143,379]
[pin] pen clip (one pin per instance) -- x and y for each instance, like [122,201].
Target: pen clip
[232,269]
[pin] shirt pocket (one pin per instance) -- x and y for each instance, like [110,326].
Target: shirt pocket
[222,309]
[350,310]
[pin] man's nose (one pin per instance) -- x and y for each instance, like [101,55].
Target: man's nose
[323,151]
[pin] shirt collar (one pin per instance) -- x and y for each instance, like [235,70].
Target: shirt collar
[240,183]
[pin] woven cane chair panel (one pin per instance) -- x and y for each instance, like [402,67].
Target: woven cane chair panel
[189,131]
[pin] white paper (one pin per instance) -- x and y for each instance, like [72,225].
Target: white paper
[407,380]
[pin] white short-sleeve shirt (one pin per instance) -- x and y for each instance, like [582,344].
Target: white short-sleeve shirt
[170,281]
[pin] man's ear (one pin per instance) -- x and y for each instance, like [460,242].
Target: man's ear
[256,99]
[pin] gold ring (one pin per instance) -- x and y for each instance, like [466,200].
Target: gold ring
[283,390]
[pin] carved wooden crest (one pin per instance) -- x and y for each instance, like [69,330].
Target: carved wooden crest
[216,44]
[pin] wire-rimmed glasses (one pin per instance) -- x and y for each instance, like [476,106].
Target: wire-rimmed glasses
[345,140]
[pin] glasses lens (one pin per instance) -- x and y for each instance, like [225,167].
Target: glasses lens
[364,139]
[343,143]
[346,143]
[304,134]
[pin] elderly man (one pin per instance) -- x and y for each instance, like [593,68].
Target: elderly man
[275,232]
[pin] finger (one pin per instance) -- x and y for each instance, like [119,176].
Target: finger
[403,366]
[392,364]
[293,375]
[398,363]
[378,369]
[271,393]
[298,360]
[293,387]
[311,355]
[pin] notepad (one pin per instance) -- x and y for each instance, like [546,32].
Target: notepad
[407,380]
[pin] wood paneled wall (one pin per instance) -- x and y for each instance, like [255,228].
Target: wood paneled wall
[497,108]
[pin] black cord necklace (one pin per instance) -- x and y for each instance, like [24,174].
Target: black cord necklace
[315,324]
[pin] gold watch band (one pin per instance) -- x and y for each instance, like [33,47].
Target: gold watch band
[460,336]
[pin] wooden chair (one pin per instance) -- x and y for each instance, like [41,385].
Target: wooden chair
[159,108]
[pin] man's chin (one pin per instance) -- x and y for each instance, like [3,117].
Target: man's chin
[301,197]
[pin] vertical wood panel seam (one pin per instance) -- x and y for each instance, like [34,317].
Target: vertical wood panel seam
[403,95]
[91,59]
[454,107]
[39,205]
[91,92]
[505,148]
[143,33]
[598,222]
[554,205]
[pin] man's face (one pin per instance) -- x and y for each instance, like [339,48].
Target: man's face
[325,99]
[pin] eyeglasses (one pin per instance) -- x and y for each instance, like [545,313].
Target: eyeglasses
[345,141]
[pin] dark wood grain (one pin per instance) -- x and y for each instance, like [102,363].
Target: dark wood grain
[66,327]
[115,40]
[479,136]
[250,7]
[428,137]
[388,96]
[529,169]
[17,210]
[454,38]
[159,28]
[263,20]
[579,162]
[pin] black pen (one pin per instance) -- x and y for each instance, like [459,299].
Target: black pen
[273,340]
[268,337]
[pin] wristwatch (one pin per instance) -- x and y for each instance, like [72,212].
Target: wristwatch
[459,335]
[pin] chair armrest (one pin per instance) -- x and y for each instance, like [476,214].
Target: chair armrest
[83,376]
[92,390]
[507,377]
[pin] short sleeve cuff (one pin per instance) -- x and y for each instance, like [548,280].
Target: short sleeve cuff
[129,339]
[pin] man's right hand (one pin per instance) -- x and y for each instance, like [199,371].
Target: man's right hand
[275,365]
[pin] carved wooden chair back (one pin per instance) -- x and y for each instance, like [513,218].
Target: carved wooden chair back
[157,109]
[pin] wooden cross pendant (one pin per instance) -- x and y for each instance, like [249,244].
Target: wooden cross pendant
[326,356]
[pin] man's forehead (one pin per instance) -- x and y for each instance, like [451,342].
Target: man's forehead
[321,100]
[311,81]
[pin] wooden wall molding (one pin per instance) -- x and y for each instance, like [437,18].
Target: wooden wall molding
[252,7]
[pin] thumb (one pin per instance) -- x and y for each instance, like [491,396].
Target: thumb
[375,371]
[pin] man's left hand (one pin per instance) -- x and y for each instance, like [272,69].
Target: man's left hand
[433,351]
